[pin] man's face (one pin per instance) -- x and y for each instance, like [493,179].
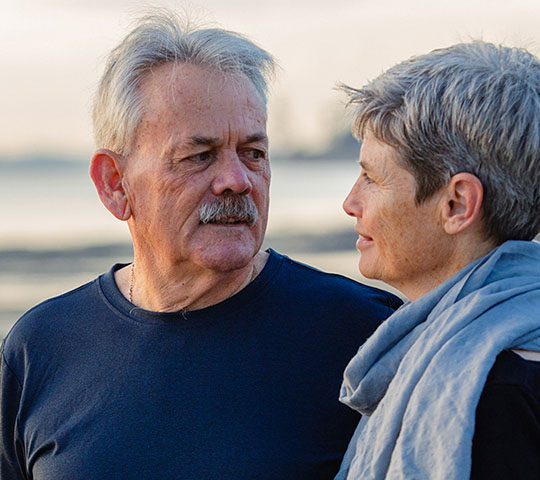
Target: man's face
[202,140]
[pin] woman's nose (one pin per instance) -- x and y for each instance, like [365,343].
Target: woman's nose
[352,204]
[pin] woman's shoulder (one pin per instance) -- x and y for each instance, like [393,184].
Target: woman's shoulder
[506,441]
[512,391]
[513,371]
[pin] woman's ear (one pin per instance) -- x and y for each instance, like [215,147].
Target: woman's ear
[106,173]
[463,202]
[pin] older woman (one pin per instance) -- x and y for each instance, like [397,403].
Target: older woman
[447,204]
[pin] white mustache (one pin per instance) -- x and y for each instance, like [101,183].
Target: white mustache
[229,209]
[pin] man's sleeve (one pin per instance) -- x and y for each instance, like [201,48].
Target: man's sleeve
[10,445]
[506,441]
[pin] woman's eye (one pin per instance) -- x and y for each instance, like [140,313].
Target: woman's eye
[367,178]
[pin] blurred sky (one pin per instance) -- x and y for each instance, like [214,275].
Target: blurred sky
[52,53]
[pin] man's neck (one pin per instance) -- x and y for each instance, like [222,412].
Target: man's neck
[184,286]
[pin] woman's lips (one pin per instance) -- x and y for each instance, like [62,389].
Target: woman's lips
[363,241]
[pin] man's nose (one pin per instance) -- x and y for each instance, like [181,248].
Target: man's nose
[231,175]
[352,204]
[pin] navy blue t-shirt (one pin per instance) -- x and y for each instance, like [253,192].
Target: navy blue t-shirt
[93,388]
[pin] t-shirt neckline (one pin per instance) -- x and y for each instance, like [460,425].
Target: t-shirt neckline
[226,307]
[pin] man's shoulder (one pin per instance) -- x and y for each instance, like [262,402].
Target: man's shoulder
[329,306]
[50,316]
[325,286]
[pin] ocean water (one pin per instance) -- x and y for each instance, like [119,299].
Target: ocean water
[52,203]
[56,235]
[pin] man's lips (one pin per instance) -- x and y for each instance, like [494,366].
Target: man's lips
[228,221]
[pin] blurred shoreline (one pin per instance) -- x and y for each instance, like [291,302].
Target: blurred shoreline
[55,234]
[31,275]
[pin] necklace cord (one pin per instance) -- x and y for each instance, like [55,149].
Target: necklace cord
[131,283]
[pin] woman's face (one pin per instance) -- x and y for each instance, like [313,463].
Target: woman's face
[401,243]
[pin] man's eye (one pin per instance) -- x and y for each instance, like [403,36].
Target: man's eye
[201,157]
[254,154]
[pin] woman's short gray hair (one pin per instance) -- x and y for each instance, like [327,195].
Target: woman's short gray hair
[162,37]
[472,107]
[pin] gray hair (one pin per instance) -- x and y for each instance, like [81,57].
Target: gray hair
[162,37]
[472,107]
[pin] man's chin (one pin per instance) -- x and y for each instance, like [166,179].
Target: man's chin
[227,256]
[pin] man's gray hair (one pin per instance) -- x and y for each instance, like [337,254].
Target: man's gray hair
[472,107]
[162,37]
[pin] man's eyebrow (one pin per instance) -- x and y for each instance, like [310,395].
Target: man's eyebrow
[256,137]
[210,141]
[200,140]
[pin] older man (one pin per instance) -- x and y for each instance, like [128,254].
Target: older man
[205,358]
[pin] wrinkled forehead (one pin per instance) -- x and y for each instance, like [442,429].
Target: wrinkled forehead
[185,85]
[182,101]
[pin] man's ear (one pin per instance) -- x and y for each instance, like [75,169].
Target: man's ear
[462,202]
[106,173]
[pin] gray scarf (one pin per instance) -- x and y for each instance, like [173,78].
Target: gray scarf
[418,379]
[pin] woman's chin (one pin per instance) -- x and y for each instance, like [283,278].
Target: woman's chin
[367,269]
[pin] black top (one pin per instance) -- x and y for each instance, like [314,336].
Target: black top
[93,388]
[506,442]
